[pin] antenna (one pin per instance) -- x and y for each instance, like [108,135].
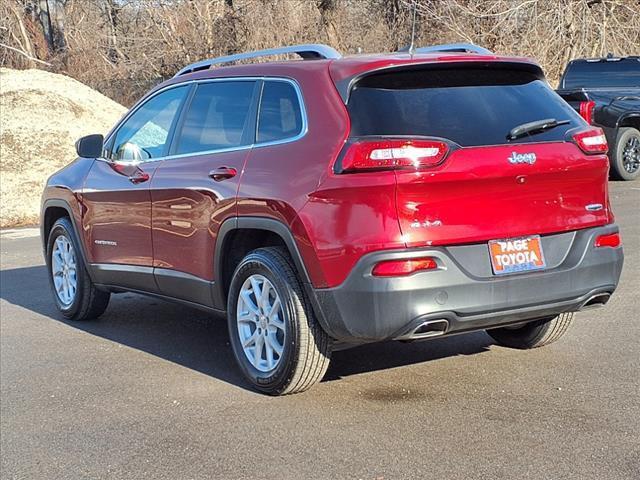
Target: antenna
[413,28]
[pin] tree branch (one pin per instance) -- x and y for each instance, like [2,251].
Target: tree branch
[17,50]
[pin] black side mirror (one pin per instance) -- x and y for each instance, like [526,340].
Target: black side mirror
[90,146]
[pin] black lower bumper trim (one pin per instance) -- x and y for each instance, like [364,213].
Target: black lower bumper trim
[367,309]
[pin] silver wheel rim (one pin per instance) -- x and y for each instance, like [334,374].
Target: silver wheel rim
[631,154]
[63,270]
[261,327]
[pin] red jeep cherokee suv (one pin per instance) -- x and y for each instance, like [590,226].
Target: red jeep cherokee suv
[334,201]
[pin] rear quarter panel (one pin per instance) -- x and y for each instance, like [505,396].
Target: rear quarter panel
[279,180]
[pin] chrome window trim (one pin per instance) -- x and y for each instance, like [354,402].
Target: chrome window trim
[301,134]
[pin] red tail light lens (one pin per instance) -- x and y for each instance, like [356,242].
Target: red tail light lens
[402,268]
[390,154]
[610,240]
[592,141]
[586,111]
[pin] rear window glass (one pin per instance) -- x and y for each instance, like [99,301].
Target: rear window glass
[280,116]
[616,73]
[468,107]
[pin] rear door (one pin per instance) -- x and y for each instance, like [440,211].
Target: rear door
[195,188]
[488,186]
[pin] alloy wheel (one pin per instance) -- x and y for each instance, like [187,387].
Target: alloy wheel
[64,270]
[631,154]
[261,326]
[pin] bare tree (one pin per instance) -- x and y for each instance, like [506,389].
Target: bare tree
[122,47]
[328,12]
[51,14]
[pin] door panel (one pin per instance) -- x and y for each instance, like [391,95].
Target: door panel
[116,197]
[188,208]
[195,189]
[117,215]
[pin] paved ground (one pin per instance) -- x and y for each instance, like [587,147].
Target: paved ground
[151,391]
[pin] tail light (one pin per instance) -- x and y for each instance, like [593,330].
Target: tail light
[391,154]
[586,111]
[609,240]
[592,141]
[402,268]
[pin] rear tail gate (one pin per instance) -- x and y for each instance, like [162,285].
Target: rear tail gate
[479,154]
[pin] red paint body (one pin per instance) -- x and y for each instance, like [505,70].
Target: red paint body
[476,198]
[117,210]
[171,221]
[188,208]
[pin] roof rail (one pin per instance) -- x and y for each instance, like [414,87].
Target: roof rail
[307,52]
[454,47]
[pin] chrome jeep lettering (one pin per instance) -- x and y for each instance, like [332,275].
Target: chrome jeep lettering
[426,224]
[529,158]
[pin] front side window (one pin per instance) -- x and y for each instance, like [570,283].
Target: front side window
[280,114]
[218,117]
[145,133]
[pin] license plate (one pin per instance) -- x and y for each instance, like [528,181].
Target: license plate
[514,255]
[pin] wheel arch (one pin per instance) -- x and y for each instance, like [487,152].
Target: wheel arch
[630,119]
[52,211]
[256,232]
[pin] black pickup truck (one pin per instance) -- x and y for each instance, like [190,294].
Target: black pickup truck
[606,92]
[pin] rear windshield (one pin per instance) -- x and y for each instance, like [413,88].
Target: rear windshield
[612,73]
[470,107]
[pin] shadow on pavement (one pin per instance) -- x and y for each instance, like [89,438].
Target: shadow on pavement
[196,340]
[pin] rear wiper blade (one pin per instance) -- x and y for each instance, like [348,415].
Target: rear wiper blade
[534,127]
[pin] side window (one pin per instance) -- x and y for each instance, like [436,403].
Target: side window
[217,117]
[280,114]
[144,134]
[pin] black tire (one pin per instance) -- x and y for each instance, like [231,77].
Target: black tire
[617,156]
[89,302]
[534,334]
[307,348]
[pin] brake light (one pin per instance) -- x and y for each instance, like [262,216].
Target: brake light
[391,154]
[591,141]
[402,268]
[609,240]
[586,111]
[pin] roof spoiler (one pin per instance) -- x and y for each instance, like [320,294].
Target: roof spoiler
[449,47]
[307,52]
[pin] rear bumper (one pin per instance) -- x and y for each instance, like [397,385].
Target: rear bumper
[464,292]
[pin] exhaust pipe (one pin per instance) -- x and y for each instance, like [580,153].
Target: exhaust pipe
[428,329]
[597,300]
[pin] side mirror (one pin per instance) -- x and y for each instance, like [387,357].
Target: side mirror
[131,152]
[90,146]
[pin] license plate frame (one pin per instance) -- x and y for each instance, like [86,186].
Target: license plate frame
[516,255]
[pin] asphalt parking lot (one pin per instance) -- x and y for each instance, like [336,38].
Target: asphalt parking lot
[150,390]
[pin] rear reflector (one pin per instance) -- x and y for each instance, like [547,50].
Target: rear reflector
[610,240]
[401,268]
[592,141]
[391,154]
[586,111]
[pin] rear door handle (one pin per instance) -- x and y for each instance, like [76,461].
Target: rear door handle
[223,173]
